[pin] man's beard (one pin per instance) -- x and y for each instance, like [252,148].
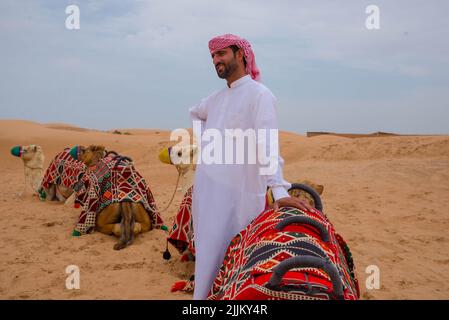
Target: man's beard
[227,70]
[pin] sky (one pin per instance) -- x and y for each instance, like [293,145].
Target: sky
[143,64]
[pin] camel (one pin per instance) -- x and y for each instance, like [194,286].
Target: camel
[184,159]
[33,162]
[61,174]
[124,218]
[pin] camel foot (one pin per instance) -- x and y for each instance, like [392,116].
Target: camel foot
[116,230]
[119,246]
[137,228]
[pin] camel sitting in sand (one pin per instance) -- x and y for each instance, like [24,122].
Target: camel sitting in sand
[33,162]
[61,175]
[115,198]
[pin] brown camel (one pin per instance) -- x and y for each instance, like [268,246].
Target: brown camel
[122,219]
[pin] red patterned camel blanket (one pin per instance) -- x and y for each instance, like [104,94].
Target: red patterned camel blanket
[181,233]
[181,236]
[64,170]
[114,179]
[288,254]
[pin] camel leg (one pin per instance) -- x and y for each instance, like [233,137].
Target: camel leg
[108,220]
[137,228]
[59,196]
[111,228]
[70,200]
[116,229]
[50,192]
[142,218]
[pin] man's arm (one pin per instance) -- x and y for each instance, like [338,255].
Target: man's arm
[199,111]
[266,118]
[277,183]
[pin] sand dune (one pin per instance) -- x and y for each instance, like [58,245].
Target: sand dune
[388,196]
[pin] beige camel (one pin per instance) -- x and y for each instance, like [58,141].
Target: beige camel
[33,162]
[183,157]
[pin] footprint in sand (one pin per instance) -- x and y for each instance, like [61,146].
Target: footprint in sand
[136,265]
[444,262]
[52,224]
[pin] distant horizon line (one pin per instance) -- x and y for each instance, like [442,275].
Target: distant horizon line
[308,133]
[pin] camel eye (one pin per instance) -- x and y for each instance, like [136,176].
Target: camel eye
[179,153]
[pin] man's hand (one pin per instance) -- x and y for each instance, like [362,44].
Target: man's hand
[291,202]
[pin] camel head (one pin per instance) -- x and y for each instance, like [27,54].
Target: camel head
[182,157]
[92,154]
[32,155]
[317,187]
[296,191]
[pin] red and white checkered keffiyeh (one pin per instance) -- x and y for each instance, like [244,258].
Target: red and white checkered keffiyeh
[227,40]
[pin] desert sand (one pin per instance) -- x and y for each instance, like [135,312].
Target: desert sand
[387,196]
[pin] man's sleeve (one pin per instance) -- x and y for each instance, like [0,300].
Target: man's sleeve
[278,185]
[266,118]
[199,111]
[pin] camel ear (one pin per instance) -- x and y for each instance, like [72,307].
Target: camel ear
[193,153]
[74,152]
[193,149]
[319,188]
[81,152]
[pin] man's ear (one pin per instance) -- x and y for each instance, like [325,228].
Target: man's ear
[241,55]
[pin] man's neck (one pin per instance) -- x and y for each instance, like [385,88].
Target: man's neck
[235,77]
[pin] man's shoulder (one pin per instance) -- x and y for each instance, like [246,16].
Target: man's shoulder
[213,95]
[261,89]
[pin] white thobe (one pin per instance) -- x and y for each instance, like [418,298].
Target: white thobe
[226,197]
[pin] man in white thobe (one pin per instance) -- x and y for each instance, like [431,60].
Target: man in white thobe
[228,194]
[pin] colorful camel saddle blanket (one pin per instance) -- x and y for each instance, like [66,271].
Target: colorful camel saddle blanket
[114,179]
[287,255]
[63,170]
[181,233]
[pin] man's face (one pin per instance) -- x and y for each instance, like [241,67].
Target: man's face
[225,62]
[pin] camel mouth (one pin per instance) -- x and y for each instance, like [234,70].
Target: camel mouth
[164,156]
[17,151]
